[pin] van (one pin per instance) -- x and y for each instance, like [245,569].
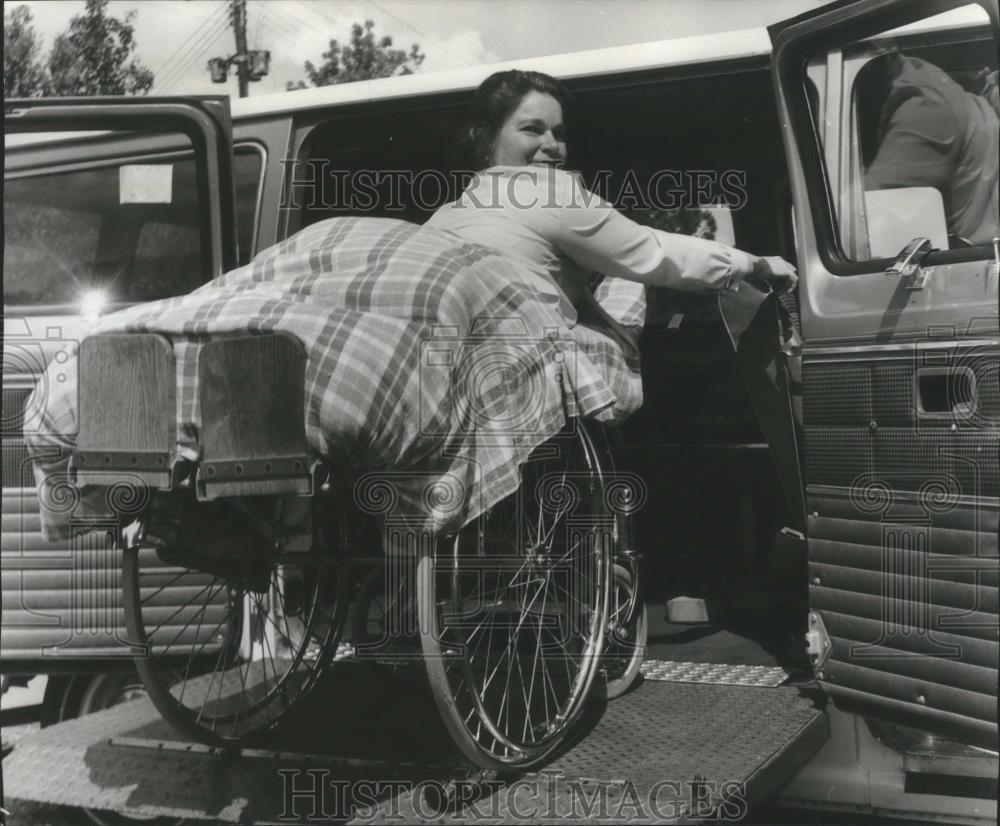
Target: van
[840,520]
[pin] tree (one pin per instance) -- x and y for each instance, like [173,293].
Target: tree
[362,59]
[94,56]
[23,70]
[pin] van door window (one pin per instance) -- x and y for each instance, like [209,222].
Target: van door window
[911,142]
[128,230]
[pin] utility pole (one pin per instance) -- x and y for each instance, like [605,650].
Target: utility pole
[250,65]
[238,9]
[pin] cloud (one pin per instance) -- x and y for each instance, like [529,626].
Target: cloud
[465,47]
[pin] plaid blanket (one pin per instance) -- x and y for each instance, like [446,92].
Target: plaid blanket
[433,363]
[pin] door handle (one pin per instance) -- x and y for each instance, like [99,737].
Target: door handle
[909,264]
[945,392]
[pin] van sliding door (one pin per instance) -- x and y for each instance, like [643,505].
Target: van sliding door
[890,119]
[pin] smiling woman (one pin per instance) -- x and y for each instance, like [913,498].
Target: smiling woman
[533,135]
[517,119]
[540,216]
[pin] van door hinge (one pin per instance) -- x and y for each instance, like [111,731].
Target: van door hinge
[909,264]
[817,641]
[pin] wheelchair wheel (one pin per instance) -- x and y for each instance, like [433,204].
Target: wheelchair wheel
[625,646]
[231,631]
[513,609]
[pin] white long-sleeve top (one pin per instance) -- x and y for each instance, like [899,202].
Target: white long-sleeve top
[545,219]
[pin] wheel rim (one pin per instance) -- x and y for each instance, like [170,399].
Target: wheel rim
[230,655]
[520,604]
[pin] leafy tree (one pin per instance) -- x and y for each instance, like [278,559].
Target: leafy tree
[23,70]
[94,56]
[362,59]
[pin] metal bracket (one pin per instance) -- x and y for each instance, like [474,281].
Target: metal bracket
[818,643]
[284,474]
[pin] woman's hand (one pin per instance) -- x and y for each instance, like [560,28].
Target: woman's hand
[771,273]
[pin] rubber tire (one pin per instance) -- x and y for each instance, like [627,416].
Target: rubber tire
[158,688]
[434,659]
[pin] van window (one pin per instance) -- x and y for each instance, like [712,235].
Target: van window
[915,154]
[129,230]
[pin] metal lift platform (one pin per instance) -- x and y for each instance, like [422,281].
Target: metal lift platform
[670,751]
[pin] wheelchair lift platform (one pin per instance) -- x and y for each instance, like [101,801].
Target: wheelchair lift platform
[667,752]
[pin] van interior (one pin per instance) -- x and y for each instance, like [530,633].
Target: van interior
[711,526]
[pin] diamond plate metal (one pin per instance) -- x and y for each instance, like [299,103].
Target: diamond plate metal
[664,741]
[714,673]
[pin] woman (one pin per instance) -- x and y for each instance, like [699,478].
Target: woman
[522,203]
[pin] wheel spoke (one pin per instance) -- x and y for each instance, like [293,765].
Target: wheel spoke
[242,689]
[208,601]
[181,608]
[522,606]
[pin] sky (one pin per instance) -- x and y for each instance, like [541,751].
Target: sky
[175,38]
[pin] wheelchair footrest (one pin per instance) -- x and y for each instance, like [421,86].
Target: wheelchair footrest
[127,387]
[252,417]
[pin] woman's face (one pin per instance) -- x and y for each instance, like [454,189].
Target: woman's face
[533,135]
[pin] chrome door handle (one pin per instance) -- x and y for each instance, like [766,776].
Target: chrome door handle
[908,263]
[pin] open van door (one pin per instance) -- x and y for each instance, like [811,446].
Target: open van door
[206,123]
[114,201]
[891,132]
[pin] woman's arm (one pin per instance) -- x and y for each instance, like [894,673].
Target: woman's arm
[598,237]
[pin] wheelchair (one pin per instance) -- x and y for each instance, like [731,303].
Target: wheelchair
[246,570]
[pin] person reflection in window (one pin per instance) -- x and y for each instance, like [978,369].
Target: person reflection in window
[934,133]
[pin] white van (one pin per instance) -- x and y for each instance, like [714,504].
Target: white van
[846,532]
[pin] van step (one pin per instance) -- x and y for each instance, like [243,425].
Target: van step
[665,752]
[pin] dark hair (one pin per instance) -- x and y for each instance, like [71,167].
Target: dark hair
[496,99]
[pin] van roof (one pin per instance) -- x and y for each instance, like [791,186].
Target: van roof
[715,47]
[708,48]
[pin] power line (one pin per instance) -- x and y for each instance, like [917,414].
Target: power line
[292,25]
[256,31]
[295,32]
[272,25]
[211,38]
[208,37]
[199,31]
[399,19]
[327,18]
[418,32]
[177,75]
[297,29]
